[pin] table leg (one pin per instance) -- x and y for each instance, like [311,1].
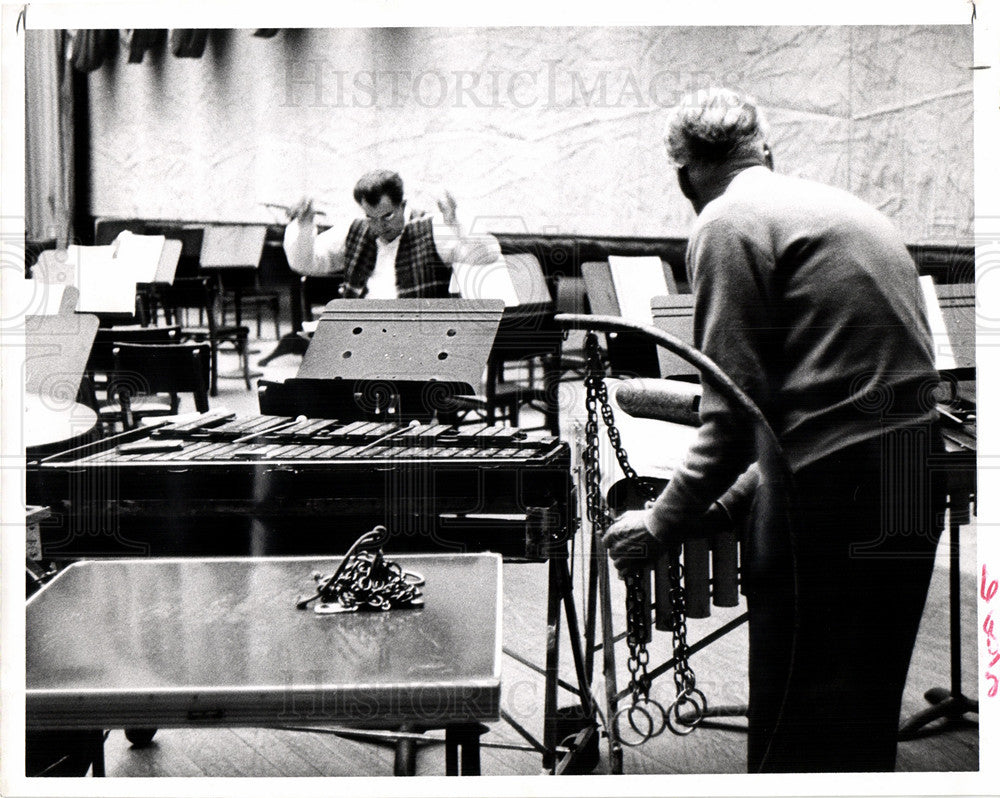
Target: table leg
[462,748]
[405,763]
[98,754]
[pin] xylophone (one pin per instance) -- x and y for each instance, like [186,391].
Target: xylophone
[221,484]
[270,485]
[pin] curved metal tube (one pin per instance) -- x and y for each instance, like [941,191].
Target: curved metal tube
[710,372]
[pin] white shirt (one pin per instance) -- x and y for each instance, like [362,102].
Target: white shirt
[382,283]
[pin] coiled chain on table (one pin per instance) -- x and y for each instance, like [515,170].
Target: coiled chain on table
[366,580]
[369,581]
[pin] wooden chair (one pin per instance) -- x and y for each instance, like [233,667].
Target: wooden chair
[101,364]
[202,293]
[143,370]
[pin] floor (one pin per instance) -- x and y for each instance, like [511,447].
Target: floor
[721,671]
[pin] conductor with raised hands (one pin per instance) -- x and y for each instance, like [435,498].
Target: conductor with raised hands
[396,250]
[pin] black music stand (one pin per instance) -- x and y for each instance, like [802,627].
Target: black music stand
[629,354]
[390,359]
[230,249]
[957,310]
[233,250]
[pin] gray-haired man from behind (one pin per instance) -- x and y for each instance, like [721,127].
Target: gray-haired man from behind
[807,297]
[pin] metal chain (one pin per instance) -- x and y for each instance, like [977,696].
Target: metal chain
[365,580]
[636,611]
[684,679]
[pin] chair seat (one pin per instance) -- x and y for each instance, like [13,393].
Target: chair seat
[156,405]
[222,331]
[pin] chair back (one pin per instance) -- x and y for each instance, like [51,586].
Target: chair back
[161,368]
[198,293]
[101,360]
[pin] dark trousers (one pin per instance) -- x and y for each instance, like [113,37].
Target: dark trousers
[835,606]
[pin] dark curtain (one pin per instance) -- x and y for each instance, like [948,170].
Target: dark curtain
[49,164]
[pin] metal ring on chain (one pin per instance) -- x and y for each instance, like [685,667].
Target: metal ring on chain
[690,696]
[657,728]
[630,711]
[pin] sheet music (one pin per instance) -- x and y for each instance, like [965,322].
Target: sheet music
[484,281]
[944,356]
[140,255]
[105,287]
[637,280]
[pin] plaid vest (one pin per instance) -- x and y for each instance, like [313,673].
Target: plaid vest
[420,272]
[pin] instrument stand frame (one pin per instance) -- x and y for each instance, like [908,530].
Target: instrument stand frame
[951,704]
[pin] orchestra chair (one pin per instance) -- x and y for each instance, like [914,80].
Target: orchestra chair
[144,370]
[101,365]
[202,293]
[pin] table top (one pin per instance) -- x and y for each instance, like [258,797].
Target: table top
[51,422]
[181,642]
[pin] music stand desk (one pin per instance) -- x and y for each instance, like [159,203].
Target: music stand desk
[527,331]
[191,642]
[229,248]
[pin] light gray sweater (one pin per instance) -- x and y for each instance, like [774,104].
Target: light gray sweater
[807,297]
